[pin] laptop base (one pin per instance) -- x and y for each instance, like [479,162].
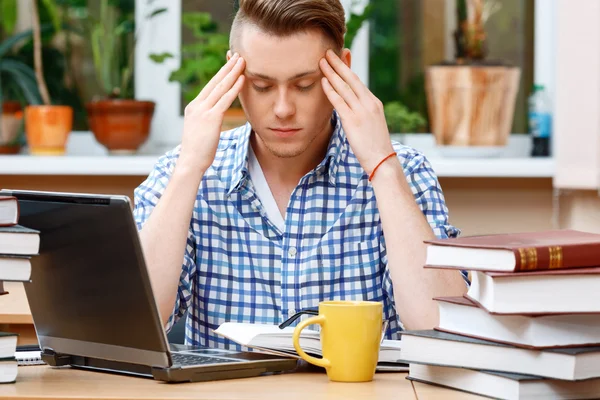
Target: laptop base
[174,374]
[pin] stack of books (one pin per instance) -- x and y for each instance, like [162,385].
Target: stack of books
[17,245]
[529,325]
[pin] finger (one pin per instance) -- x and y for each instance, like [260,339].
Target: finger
[347,75]
[226,100]
[338,84]
[219,76]
[226,84]
[336,100]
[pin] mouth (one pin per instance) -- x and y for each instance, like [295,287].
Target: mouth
[285,132]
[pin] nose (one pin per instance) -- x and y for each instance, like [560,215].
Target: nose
[284,104]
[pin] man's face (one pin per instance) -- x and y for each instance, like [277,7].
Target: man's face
[282,96]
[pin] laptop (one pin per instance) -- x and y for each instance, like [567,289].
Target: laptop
[91,299]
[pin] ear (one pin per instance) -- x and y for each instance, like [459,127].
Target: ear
[229,55]
[346,57]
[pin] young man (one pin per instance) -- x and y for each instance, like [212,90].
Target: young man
[300,205]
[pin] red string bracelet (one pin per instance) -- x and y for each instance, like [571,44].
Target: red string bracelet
[380,162]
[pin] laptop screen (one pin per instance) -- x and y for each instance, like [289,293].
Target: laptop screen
[89,282]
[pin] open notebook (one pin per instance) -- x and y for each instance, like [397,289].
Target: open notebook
[29,355]
[272,339]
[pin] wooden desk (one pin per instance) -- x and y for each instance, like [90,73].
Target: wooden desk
[43,382]
[15,315]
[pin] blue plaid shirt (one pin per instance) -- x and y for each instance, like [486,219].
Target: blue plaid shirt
[238,266]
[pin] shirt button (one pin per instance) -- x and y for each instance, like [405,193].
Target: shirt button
[292,251]
[291,312]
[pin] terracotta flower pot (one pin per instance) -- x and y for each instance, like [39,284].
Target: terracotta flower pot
[10,124]
[122,126]
[47,129]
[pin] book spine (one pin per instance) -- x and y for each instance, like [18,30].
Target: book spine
[556,257]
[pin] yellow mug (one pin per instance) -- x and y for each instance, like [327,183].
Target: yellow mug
[350,339]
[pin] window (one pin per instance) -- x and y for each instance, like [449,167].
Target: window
[390,53]
[406,36]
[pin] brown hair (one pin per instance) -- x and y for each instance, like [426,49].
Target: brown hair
[286,17]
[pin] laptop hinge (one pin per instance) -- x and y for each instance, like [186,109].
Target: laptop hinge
[54,359]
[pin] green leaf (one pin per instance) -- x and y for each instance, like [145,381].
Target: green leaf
[160,57]
[156,12]
[124,27]
[96,55]
[19,66]
[52,10]
[12,41]
[25,81]
[9,43]
[198,20]
[8,10]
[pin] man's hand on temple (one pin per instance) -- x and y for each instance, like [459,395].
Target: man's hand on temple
[361,112]
[204,115]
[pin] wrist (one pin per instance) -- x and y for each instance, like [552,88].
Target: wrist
[379,161]
[390,174]
[188,169]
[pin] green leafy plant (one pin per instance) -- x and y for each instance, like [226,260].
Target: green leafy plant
[401,120]
[112,36]
[355,22]
[200,60]
[55,20]
[17,79]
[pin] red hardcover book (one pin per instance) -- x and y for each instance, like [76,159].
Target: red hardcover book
[516,252]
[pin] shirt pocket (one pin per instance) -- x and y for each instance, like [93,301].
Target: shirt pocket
[349,270]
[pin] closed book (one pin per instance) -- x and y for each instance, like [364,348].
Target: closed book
[19,240]
[566,291]
[15,268]
[445,349]
[516,252]
[8,344]
[501,385]
[462,316]
[9,210]
[8,370]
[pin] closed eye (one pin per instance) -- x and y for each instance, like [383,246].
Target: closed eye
[306,88]
[261,88]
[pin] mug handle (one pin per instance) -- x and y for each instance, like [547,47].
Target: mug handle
[321,362]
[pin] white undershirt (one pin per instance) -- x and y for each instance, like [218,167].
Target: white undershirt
[263,191]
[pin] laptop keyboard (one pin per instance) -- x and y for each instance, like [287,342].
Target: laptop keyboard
[195,359]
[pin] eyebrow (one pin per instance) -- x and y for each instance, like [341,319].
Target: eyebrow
[269,78]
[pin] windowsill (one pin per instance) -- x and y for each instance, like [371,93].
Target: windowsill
[512,161]
[86,157]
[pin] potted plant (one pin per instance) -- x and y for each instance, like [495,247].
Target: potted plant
[201,60]
[47,126]
[471,100]
[118,121]
[17,88]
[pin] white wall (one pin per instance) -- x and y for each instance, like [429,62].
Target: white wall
[577,94]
